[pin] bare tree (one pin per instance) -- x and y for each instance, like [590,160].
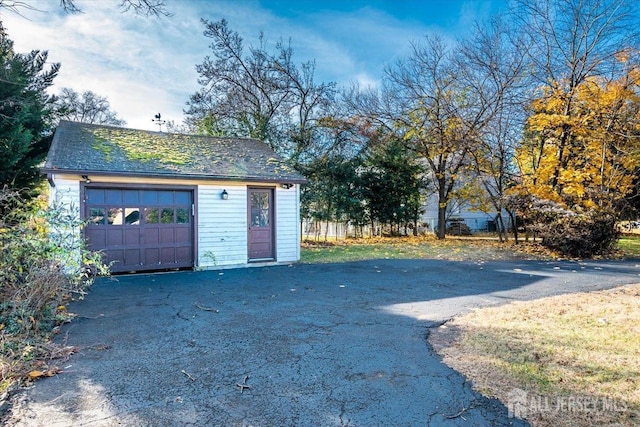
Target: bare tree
[242,95]
[16,6]
[440,117]
[496,66]
[311,104]
[85,108]
[258,93]
[139,7]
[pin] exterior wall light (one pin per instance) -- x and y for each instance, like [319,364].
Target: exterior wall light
[287,185]
[86,179]
[224,195]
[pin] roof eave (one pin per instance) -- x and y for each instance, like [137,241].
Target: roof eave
[289,180]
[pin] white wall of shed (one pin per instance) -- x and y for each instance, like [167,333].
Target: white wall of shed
[222,225]
[64,197]
[223,228]
[288,224]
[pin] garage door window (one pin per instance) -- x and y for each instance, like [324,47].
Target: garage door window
[182,216]
[115,216]
[131,216]
[96,216]
[151,215]
[167,216]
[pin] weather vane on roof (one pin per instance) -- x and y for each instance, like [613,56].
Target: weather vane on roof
[158,120]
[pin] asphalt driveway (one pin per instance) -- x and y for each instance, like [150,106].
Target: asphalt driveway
[318,345]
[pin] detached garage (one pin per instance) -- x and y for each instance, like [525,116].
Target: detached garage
[157,201]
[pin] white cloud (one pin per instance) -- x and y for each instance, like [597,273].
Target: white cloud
[146,66]
[365,81]
[142,65]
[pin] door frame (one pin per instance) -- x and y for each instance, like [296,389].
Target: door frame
[193,189]
[273,219]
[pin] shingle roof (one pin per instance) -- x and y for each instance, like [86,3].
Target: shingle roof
[86,149]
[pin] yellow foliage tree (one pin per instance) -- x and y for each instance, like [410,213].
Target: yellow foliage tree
[582,146]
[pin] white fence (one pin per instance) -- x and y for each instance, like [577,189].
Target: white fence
[318,230]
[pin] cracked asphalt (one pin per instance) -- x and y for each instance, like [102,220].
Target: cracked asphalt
[317,345]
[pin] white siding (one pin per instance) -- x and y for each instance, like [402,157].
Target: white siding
[65,196]
[66,193]
[288,224]
[222,225]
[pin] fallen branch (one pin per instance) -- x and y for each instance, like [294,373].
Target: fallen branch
[459,414]
[206,308]
[188,376]
[242,386]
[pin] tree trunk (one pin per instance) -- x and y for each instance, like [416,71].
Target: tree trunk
[503,233]
[496,220]
[442,221]
[512,217]
[442,208]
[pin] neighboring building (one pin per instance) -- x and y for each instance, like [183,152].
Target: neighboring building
[157,201]
[476,220]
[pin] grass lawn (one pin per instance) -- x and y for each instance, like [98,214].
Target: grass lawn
[452,248]
[574,359]
[630,245]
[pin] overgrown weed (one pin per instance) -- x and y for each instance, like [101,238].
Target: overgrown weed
[43,265]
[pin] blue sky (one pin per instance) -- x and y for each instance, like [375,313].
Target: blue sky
[147,65]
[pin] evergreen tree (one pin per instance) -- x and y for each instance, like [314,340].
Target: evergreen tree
[392,181]
[25,131]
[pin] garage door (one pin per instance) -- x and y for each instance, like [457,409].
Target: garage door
[140,229]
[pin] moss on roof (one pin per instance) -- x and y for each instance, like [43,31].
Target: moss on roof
[80,147]
[139,146]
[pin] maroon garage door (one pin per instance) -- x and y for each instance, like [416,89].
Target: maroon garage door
[140,229]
